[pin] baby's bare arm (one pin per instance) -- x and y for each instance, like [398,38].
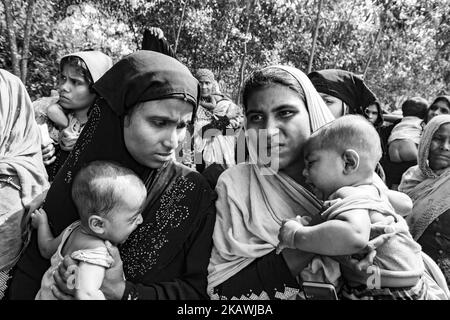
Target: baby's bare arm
[347,234]
[89,278]
[46,242]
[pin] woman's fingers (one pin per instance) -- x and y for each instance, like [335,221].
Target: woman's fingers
[60,295]
[50,161]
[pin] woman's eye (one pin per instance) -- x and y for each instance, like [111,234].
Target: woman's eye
[159,123]
[286,114]
[444,111]
[256,118]
[181,125]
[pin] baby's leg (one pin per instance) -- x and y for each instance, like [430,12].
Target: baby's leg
[402,150]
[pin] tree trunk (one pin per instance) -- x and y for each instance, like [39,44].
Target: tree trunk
[26,41]
[180,26]
[243,62]
[316,33]
[11,37]
[372,50]
[341,37]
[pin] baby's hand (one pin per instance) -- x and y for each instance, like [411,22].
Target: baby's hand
[286,236]
[38,217]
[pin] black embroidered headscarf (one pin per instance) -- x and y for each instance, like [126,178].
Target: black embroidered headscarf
[143,76]
[344,85]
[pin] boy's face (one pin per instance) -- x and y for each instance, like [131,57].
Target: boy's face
[125,217]
[324,171]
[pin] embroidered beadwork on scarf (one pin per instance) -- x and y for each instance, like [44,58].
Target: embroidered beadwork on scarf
[84,141]
[138,258]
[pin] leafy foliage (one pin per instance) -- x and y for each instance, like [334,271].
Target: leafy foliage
[402,46]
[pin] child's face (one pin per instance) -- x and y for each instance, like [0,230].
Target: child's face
[324,171]
[74,93]
[125,217]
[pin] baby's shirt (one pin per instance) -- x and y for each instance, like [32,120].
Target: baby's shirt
[410,128]
[69,135]
[399,259]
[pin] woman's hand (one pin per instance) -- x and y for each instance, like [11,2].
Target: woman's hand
[65,279]
[113,285]
[48,154]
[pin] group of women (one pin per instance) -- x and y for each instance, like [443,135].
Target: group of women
[194,243]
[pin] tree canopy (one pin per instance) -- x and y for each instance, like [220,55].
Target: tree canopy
[401,47]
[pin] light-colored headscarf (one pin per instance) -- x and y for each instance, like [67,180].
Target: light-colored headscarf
[429,190]
[252,205]
[97,62]
[20,146]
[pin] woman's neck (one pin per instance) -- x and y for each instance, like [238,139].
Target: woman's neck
[81,115]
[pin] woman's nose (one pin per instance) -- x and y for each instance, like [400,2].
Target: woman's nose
[64,86]
[171,140]
[272,127]
[305,172]
[139,220]
[446,145]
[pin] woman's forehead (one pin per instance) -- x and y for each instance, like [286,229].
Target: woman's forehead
[173,109]
[72,71]
[273,97]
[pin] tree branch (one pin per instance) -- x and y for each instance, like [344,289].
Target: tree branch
[26,40]
[11,37]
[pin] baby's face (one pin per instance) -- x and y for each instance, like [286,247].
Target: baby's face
[323,171]
[125,217]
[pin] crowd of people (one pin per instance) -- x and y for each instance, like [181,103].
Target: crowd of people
[142,180]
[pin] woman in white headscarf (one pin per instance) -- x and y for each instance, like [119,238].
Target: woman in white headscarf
[428,185]
[23,180]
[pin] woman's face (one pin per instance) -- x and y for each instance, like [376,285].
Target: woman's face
[371,113]
[337,107]
[74,91]
[437,108]
[283,114]
[439,155]
[154,129]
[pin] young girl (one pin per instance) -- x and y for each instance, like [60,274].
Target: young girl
[109,199]
[340,159]
[66,112]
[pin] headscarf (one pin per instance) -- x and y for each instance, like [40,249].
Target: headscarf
[428,189]
[344,85]
[248,222]
[144,76]
[206,74]
[97,62]
[20,146]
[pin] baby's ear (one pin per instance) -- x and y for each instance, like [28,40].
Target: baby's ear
[96,224]
[351,161]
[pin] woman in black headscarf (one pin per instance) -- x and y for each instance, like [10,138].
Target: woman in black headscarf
[144,103]
[344,92]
